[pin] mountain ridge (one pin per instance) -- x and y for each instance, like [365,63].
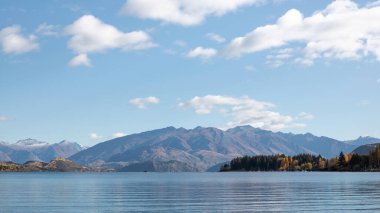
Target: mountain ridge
[34,150]
[204,147]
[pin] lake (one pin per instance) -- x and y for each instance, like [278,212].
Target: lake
[189,192]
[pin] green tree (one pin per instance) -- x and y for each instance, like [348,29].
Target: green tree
[341,159]
[355,162]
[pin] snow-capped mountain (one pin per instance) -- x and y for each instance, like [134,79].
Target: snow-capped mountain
[35,150]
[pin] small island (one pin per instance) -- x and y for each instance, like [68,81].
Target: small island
[352,162]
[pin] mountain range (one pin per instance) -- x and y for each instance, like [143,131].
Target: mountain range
[180,149]
[198,149]
[34,150]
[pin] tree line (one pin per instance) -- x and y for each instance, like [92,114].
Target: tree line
[306,162]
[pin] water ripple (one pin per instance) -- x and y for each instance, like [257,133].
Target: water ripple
[189,192]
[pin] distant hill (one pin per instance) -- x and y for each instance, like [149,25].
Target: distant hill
[363,141]
[34,150]
[55,165]
[159,166]
[202,148]
[365,149]
[216,167]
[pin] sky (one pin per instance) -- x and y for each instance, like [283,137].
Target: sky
[89,71]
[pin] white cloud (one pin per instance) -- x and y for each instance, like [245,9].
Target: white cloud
[12,42]
[118,135]
[215,37]
[304,61]
[342,30]
[373,4]
[279,57]
[183,12]
[378,81]
[141,103]
[95,136]
[3,118]
[48,30]
[80,60]
[305,116]
[91,35]
[201,52]
[242,111]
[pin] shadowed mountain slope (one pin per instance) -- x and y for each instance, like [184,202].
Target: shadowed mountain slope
[365,149]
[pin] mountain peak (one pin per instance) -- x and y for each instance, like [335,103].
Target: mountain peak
[244,128]
[170,128]
[309,134]
[366,138]
[166,129]
[31,142]
[202,128]
[65,142]
[362,140]
[4,143]
[198,128]
[68,143]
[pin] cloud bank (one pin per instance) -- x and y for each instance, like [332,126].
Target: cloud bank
[202,52]
[343,30]
[95,136]
[48,29]
[91,35]
[80,60]
[182,12]
[242,111]
[215,37]
[13,42]
[142,103]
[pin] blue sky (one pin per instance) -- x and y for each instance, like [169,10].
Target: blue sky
[88,72]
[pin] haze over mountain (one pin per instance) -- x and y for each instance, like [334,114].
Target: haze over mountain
[365,145]
[34,150]
[364,141]
[201,148]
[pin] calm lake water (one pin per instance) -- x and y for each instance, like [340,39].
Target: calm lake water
[189,192]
